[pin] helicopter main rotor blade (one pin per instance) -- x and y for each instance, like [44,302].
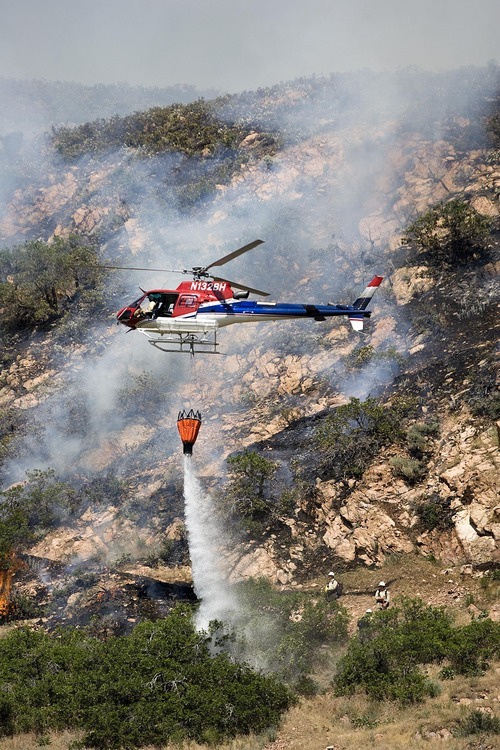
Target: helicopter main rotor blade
[134,268]
[234,254]
[242,286]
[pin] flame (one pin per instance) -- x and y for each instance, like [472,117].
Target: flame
[6,575]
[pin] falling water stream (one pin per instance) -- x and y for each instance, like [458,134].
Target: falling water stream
[210,579]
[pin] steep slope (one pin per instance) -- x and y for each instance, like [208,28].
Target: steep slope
[332,204]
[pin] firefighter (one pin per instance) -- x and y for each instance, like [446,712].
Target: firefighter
[382,596]
[364,626]
[333,588]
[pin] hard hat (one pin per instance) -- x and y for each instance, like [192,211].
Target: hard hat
[381,583]
[331,574]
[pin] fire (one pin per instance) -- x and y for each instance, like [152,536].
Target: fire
[6,577]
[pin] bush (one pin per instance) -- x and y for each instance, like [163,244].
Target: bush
[385,665]
[473,646]
[354,433]
[409,469]
[483,397]
[159,684]
[435,513]
[450,233]
[419,437]
[477,722]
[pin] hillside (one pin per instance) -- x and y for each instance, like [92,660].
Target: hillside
[374,455]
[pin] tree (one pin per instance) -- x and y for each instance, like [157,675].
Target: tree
[26,509]
[250,474]
[38,278]
[449,233]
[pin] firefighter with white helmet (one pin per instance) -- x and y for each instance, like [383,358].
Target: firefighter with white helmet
[333,588]
[382,596]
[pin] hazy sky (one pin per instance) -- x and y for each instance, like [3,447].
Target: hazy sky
[232,45]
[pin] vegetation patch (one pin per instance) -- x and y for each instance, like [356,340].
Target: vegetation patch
[450,233]
[42,502]
[159,684]
[477,722]
[352,435]
[285,630]
[435,513]
[40,280]
[411,470]
[191,129]
[385,664]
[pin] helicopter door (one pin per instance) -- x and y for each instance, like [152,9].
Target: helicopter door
[163,304]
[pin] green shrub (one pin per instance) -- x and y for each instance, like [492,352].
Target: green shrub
[435,513]
[419,437]
[157,685]
[473,646]
[306,686]
[449,233]
[410,469]
[477,722]
[385,665]
[447,673]
[483,396]
[7,713]
[354,433]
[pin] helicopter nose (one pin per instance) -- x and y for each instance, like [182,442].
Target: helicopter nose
[125,316]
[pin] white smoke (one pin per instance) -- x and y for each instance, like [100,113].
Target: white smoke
[210,579]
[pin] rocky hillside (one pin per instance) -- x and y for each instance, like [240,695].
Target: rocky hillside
[333,203]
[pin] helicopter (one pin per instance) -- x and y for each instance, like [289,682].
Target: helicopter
[187,319]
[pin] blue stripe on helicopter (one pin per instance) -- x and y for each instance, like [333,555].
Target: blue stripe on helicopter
[278,309]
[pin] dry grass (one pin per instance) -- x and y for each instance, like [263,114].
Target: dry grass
[354,723]
[58,741]
[62,741]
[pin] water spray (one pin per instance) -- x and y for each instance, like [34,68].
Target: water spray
[210,579]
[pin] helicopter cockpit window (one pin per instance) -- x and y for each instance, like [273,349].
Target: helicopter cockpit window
[142,307]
